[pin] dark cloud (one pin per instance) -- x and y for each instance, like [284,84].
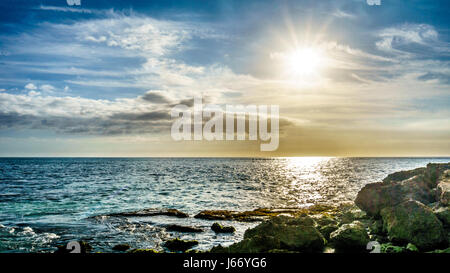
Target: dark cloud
[441,77]
[155,97]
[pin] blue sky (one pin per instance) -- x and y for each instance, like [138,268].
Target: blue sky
[99,78]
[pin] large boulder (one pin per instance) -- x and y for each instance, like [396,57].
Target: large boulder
[350,237]
[372,198]
[443,188]
[413,222]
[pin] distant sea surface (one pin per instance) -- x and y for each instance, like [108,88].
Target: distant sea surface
[45,202]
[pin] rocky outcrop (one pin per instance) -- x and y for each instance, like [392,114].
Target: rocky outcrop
[350,237]
[413,222]
[443,188]
[121,247]
[418,184]
[151,212]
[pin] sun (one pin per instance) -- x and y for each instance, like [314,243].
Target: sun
[304,61]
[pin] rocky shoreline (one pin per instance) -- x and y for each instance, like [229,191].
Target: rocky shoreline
[406,212]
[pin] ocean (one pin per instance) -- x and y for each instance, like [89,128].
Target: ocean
[45,202]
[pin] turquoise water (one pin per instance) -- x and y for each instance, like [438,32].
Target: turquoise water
[48,201]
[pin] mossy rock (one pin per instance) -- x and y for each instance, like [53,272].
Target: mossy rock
[413,222]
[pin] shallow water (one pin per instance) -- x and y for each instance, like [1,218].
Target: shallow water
[47,201]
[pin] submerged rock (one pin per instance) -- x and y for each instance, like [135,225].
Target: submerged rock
[350,237]
[179,228]
[218,228]
[413,222]
[180,245]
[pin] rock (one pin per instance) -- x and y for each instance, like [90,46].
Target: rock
[443,188]
[418,184]
[151,212]
[413,222]
[281,232]
[443,214]
[403,175]
[179,228]
[350,237]
[376,227]
[218,228]
[327,230]
[180,245]
[121,247]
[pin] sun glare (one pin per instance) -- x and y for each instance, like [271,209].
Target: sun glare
[304,62]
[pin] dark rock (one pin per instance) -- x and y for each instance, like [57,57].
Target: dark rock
[180,245]
[262,214]
[327,230]
[417,184]
[413,222]
[376,227]
[350,237]
[121,247]
[218,228]
[403,175]
[293,233]
[151,212]
[179,228]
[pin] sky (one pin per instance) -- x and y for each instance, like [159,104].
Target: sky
[100,78]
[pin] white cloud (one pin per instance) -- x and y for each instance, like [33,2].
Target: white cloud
[47,88]
[393,38]
[30,86]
